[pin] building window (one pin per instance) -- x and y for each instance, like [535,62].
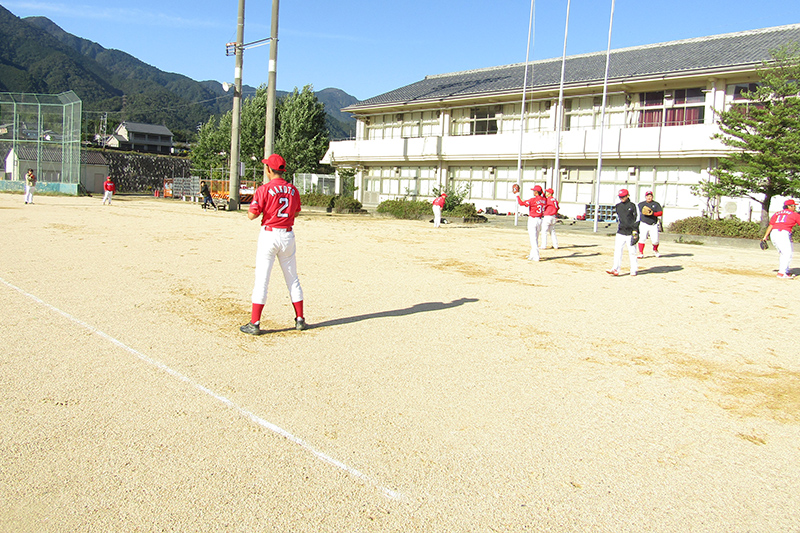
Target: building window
[681,107]
[476,120]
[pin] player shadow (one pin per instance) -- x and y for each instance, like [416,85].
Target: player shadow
[574,255]
[667,256]
[567,246]
[416,308]
[664,269]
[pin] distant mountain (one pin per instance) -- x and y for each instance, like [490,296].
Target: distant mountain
[38,56]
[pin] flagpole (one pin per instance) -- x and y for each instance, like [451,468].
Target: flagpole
[522,115]
[560,110]
[602,124]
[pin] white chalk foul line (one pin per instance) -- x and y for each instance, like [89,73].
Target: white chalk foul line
[205,390]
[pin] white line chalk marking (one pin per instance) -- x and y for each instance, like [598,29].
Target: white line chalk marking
[242,411]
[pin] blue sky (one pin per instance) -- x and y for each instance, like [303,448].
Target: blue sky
[369,47]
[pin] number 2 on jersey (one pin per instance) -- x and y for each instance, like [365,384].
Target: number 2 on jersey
[284,204]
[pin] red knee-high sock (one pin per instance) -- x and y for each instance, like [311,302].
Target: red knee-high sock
[255,314]
[298,308]
[641,248]
[655,247]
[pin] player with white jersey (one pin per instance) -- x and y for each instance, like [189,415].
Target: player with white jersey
[779,232]
[649,211]
[535,205]
[549,219]
[277,202]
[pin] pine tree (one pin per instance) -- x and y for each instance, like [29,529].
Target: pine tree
[765,135]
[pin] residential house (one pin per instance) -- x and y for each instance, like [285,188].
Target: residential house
[136,137]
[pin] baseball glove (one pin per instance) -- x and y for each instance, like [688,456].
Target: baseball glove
[647,211]
[515,188]
[634,237]
[763,244]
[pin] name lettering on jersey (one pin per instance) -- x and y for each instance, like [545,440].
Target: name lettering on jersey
[284,189]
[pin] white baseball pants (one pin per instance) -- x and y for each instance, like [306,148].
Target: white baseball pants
[648,229]
[437,216]
[29,190]
[549,226]
[782,240]
[107,197]
[271,245]
[534,228]
[620,242]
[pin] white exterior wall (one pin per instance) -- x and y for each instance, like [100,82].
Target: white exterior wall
[668,160]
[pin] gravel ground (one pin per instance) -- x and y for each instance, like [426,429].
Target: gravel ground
[446,383]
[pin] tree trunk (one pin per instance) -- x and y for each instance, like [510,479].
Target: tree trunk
[765,211]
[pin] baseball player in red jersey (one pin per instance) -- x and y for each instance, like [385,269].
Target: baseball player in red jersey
[779,232]
[536,205]
[438,205]
[549,219]
[277,202]
[110,189]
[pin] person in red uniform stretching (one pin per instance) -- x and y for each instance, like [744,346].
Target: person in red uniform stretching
[779,232]
[277,202]
[110,189]
[438,205]
[549,219]
[536,205]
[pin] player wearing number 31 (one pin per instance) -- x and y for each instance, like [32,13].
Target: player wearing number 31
[277,202]
[535,205]
[779,232]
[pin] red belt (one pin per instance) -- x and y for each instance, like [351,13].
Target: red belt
[287,230]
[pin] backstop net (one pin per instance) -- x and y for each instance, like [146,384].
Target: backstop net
[41,132]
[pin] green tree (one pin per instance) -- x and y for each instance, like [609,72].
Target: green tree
[302,137]
[213,144]
[765,136]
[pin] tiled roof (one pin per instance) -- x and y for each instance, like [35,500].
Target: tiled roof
[29,152]
[145,128]
[730,50]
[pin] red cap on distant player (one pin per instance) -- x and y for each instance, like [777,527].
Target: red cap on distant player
[623,193]
[549,190]
[443,194]
[788,202]
[537,188]
[649,193]
[275,162]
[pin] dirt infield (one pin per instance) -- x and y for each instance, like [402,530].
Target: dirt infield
[446,383]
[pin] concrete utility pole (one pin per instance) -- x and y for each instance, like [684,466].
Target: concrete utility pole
[269,132]
[236,124]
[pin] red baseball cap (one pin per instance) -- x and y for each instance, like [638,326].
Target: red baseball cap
[537,188]
[623,193]
[443,194]
[649,193]
[275,162]
[549,190]
[788,202]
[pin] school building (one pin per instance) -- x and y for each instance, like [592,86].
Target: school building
[464,128]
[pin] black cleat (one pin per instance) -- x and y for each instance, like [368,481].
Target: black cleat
[300,324]
[250,329]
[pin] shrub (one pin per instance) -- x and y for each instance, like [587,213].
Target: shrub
[406,209]
[314,199]
[729,227]
[346,203]
[463,210]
